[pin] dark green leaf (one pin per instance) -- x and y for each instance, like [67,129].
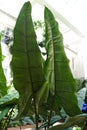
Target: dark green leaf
[57,70]
[71,121]
[26,62]
[4,112]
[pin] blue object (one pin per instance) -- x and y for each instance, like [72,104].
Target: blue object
[84,107]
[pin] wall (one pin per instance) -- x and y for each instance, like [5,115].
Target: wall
[78,62]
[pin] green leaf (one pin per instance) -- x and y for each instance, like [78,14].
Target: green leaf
[57,70]
[4,112]
[9,99]
[70,121]
[27,61]
[3,88]
[42,94]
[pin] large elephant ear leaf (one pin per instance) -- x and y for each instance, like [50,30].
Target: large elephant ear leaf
[28,75]
[58,73]
[3,88]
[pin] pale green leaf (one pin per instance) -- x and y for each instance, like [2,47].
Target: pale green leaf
[3,88]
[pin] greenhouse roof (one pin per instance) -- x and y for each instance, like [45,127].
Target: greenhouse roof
[70,14]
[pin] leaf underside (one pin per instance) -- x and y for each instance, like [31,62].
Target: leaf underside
[57,70]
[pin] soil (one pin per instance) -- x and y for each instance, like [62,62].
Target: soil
[26,127]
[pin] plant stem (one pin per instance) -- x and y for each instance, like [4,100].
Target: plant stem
[51,110]
[36,114]
[85,126]
[8,120]
[49,118]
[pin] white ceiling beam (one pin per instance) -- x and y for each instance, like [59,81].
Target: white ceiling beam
[7,14]
[33,2]
[41,2]
[56,14]
[61,18]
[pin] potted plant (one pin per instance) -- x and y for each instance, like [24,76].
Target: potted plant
[44,86]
